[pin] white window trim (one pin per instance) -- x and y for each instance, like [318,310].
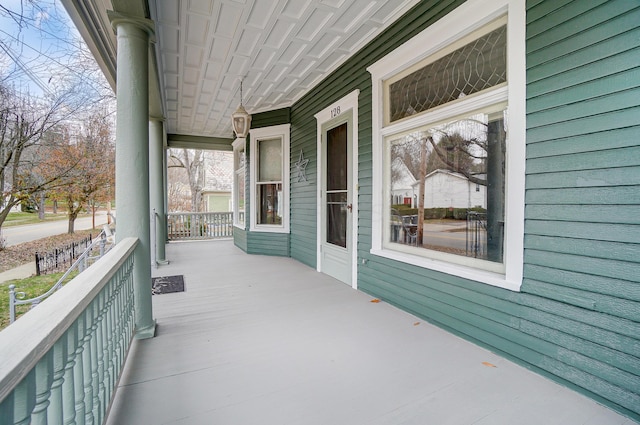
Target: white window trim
[438,36]
[239,145]
[282,131]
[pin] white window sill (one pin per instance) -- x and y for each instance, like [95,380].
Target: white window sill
[470,273]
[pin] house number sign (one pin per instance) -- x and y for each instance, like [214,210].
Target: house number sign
[335,111]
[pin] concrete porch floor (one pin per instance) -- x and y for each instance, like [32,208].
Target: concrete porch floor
[268,340]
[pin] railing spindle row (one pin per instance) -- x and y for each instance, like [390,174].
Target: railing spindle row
[212,225]
[74,381]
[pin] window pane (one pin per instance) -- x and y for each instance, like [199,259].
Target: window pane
[337,158]
[240,187]
[453,175]
[269,203]
[270,160]
[476,66]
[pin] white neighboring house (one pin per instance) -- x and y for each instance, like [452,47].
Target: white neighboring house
[404,189]
[448,189]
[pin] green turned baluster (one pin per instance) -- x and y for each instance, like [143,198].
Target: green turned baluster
[78,370]
[99,332]
[95,379]
[59,360]
[107,332]
[44,378]
[88,355]
[17,407]
[118,326]
[68,386]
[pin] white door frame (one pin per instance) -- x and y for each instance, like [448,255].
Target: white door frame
[347,103]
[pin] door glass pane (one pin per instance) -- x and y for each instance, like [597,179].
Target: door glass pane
[336,188]
[337,158]
[337,224]
[270,160]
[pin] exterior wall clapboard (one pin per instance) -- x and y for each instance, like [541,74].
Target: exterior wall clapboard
[576,317]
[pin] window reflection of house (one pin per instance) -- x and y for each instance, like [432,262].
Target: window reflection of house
[448,189]
[403,185]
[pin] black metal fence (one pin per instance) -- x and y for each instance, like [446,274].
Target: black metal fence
[60,258]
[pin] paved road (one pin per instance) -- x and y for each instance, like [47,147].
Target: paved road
[18,234]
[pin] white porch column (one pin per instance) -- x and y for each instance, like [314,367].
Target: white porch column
[132,157]
[156,187]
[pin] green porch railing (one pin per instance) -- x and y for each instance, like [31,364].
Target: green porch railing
[61,362]
[190,226]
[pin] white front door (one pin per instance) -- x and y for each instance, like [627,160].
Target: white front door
[337,189]
[337,199]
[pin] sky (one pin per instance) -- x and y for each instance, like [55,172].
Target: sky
[39,46]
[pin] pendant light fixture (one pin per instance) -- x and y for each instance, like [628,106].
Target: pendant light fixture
[241,119]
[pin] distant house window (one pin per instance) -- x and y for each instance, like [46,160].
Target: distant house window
[441,103]
[270,179]
[239,183]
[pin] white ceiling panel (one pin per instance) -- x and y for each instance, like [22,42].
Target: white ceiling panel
[202,7]
[228,21]
[193,56]
[314,24]
[197,29]
[168,13]
[220,49]
[279,34]
[354,17]
[295,9]
[279,48]
[261,12]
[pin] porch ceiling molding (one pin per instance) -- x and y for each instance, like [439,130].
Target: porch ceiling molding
[280,48]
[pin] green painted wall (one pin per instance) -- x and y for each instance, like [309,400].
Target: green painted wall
[576,318]
[218,202]
[240,238]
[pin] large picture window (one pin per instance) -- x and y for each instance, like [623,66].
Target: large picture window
[449,146]
[270,178]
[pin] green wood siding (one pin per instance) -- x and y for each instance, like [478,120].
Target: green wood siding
[269,118]
[268,243]
[240,238]
[576,317]
[583,191]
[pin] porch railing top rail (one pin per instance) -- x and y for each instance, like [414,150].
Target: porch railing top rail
[23,344]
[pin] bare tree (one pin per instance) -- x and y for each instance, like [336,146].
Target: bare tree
[192,161]
[58,84]
[28,129]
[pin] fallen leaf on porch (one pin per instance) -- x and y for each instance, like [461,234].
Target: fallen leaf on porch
[489,364]
[416,324]
[375,300]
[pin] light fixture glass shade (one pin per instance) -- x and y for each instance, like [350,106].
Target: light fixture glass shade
[241,122]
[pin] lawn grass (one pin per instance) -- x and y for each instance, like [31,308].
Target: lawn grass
[21,218]
[32,287]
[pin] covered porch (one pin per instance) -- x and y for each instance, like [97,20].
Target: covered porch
[260,339]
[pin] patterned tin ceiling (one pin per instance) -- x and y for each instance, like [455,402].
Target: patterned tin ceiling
[280,48]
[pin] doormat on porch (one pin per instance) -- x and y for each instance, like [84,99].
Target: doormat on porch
[167,284]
